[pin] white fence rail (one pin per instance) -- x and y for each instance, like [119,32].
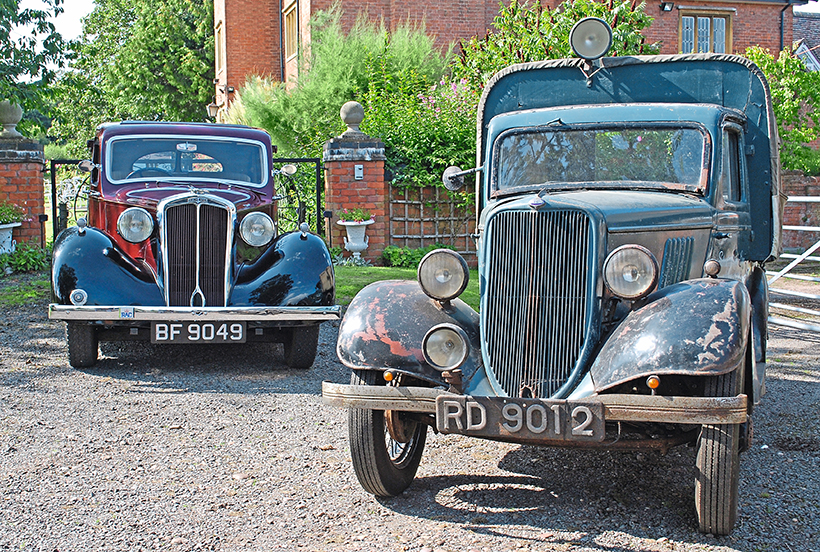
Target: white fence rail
[796,316]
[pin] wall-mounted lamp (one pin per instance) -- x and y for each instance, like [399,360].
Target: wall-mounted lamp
[213,109]
[667,6]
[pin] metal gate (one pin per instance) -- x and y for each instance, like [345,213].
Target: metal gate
[796,306]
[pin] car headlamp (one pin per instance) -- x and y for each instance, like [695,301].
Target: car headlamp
[443,274]
[631,272]
[445,347]
[257,229]
[135,224]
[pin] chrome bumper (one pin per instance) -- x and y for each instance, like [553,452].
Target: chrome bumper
[184,314]
[617,408]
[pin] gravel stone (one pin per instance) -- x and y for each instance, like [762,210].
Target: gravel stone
[185,448]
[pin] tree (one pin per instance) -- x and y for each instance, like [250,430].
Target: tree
[31,51]
[527,32]
[139,60]
[796,101]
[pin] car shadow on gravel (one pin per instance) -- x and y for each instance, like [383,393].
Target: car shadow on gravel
[558,491]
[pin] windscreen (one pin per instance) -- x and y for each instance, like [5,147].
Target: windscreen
[185,158]
[605,157]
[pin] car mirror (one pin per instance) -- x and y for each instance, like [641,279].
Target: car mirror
[87,166]
[453,178]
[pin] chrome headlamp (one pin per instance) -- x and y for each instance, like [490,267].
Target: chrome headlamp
[257,229]
[631,272]
[445,347]
[135,224]
[443,274]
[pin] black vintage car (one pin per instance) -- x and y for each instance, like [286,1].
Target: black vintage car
[626,207]
[182,245]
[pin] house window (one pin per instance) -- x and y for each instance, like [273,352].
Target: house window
[705,32]
[291,23]
[220,48]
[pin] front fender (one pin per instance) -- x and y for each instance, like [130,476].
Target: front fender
[385,325]
[93,262]
[698,327]
[293,271]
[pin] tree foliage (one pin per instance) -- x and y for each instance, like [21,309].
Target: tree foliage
[302,116]
[31,51]
[796,101]
[139,60]
[531,32]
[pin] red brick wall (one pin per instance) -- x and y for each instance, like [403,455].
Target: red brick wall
[343,191]
[21,182]
[800,214]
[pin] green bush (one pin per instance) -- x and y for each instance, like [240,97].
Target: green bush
[406,257]
[302,116]
[27,257]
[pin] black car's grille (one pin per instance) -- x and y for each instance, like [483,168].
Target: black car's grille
[196,237]
[536,299]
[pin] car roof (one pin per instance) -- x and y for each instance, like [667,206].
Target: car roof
[107,130]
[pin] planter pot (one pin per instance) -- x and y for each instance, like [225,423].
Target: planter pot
[7,245]
[10,115]
[356,240]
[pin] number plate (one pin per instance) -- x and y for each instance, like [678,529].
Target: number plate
[198,332]
[530,420]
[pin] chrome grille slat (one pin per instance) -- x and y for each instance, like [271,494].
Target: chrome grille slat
[196,241]
[536,299]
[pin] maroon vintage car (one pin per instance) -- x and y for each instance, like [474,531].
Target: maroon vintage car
[182,245]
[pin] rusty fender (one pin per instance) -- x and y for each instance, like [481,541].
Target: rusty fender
[386,322]
[698,327]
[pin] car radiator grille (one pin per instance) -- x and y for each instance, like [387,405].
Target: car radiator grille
[197,242]
[536,299]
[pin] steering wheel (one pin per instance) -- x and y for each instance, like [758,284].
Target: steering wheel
[146,172]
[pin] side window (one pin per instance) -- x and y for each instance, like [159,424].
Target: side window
[731,171]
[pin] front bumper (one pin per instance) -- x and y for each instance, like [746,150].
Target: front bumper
[616,407]
[126,314]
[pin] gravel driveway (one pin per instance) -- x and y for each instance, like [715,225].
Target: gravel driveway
[227,449]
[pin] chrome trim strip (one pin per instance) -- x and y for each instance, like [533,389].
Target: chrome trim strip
[617,408]
[147,314]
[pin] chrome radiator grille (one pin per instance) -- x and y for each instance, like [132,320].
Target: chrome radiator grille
[196,243]
[536,299]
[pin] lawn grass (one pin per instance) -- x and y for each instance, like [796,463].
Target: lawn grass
[24,289]
[351,279]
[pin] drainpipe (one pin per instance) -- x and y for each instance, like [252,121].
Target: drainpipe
[783,23]
[282,45]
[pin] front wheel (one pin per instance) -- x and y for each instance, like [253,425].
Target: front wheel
[718,463]
[83,344]
[301,344]
[385,447]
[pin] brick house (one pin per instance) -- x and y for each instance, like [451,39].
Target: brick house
[262,38]
[807,35]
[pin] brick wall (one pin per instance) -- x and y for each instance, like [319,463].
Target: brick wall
[800,214]
[21,182]
[343,191]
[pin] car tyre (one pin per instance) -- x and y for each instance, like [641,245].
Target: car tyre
[718,463]
[384,466]
[301,345]
[83,344]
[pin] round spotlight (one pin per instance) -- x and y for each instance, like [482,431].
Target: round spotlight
[631,272]
[443,274]
[590,38]
[135,225]
[445,347]
[257,229]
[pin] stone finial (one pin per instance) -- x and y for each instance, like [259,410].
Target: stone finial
[352,114]
[10,115]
